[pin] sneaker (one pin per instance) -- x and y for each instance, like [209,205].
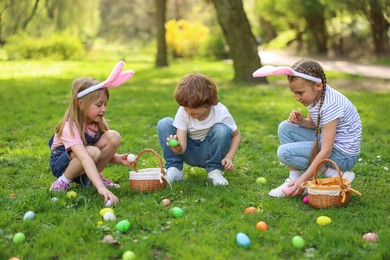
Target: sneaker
[174,174]
[108,183]
[349,175]
[216,176]
[59,185]
[277,192]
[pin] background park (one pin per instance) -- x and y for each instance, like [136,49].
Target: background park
[46,44]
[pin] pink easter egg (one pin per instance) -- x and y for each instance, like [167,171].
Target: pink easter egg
[305,199]
[166,202]
[287,190]
[372,237]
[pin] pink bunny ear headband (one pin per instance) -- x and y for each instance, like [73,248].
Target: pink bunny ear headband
[116,78]
[282,70]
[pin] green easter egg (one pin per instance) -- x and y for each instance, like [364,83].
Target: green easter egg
[173,142]
[298,242]
[122,225]
[128,255]
[261,180]
[177,212]
[71,194]
[19,238]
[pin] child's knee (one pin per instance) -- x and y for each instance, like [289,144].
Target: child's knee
[94,152]
[113,137]
[164,123]
[221,130]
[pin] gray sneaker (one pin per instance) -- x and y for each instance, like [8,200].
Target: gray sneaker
[174,174]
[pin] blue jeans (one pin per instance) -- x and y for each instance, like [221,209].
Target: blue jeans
[206,154]
[60,159]
[295,148]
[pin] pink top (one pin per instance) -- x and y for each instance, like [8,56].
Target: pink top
[68,140]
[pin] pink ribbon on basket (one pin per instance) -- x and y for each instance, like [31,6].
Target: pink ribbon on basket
[269,70]
[115,79]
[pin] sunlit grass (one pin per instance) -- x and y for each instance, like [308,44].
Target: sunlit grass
[33,98]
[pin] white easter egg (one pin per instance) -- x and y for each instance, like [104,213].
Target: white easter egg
[131,157]
[29,215]
[109,216]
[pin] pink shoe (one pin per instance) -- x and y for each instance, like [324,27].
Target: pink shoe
[108,183]
[59,185]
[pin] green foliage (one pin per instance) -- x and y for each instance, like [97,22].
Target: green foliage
[59,46]
[35,94]
[281,41]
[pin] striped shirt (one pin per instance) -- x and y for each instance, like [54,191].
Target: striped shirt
[349,126]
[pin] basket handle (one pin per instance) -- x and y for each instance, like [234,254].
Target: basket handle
[334,164]
[150,151]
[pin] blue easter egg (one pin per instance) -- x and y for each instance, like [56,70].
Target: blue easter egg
[29,215]
[243,240]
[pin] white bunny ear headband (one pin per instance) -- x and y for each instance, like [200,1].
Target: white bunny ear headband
[282,70]
[116,78]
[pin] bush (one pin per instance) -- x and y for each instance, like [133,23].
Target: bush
[60,46]
[184,38]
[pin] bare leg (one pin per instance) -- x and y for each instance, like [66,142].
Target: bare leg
[108,145]
[75,167]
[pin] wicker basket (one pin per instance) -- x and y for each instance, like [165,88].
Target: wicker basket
[328,192]
[149,179]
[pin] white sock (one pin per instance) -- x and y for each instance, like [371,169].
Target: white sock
[330,172]
[295,174]
[62,177]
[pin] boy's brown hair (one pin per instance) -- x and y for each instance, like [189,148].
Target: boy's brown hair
[196,90]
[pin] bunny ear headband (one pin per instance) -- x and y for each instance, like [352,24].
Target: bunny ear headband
[282,70]
[116,78]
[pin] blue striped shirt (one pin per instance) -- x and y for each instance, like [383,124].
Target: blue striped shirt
[349,126]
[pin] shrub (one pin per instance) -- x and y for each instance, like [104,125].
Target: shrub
[60,46]
[184,38]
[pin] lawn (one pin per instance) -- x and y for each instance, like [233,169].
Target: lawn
[33,98]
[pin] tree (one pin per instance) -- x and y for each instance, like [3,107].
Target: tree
[161,57]
[239,37]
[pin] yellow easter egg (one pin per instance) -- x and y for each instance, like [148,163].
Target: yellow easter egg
[105,210]
[323,220]
[71,194]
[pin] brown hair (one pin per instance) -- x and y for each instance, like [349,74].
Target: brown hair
[314,69]
[77,114]
[196,90]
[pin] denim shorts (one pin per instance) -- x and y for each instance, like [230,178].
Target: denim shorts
[60,159]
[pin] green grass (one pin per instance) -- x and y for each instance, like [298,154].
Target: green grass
[33,98]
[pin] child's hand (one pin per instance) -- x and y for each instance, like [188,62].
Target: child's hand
[122,158]
[228,164]
[295,117]
[174,145]
[108,195]
[296,187]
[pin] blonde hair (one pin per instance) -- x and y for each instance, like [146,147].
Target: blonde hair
[76,114]
[314,69]
[196,90]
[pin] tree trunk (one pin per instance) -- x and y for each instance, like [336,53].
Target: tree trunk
[238,35]
[161,57]
[379,27]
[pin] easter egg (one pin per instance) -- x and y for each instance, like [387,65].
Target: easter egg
[131,157]
[261,225]
[166,202]
[19,238]
[287,190]
[109,216]
[54,199]
[251,210]
[243,240]
[103,211]
[108,203]
[305,199]
[298,242]
[29,215]
[323,220]
[71,194]
[177,212]
[261,180]
[128,255]
[372,237]
[122,225]
[173,142]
